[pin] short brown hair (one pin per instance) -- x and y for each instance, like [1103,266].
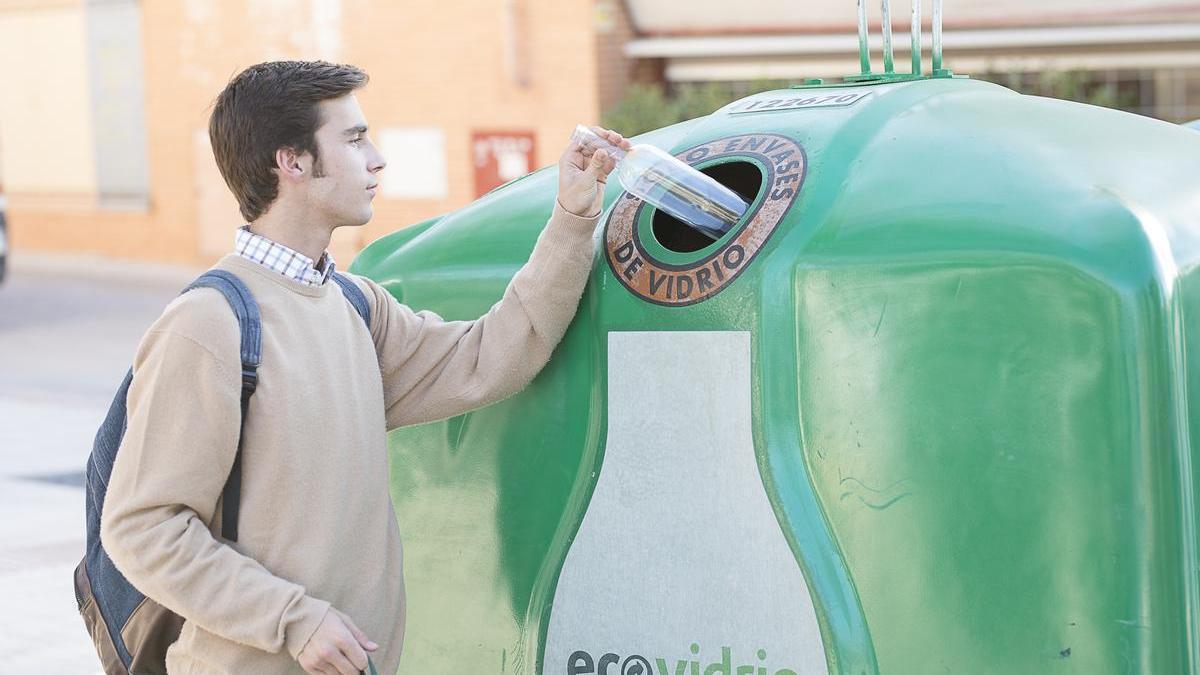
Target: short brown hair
[266,107]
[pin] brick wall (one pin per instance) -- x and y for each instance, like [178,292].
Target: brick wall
[453,66]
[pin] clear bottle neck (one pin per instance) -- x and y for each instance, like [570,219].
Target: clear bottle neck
[585,137]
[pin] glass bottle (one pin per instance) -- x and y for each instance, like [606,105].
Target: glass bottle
[657,177]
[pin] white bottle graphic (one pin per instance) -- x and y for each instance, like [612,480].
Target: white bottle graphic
[662,180]
[679,565]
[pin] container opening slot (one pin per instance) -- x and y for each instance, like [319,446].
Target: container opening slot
[744,178]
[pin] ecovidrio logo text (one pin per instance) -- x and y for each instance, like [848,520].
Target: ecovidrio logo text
[582,662]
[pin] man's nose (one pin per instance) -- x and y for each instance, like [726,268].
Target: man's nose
[378,163]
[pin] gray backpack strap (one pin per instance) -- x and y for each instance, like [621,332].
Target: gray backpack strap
[356,297]
[242,302]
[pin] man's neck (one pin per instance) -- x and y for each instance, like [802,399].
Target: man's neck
[293,232]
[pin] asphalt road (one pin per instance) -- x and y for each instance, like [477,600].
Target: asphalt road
[68,331]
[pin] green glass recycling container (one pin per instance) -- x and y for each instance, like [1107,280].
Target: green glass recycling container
[929,407]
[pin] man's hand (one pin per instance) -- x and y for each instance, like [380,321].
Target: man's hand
[336,648]
[582,174]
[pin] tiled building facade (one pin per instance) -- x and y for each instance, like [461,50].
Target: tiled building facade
[103,147]
[103,143]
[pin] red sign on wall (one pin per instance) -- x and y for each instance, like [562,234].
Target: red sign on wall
[500,156]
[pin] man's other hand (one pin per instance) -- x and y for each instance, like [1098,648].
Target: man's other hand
[583,173]
[336,648]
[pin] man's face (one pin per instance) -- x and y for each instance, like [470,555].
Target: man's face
[346,177]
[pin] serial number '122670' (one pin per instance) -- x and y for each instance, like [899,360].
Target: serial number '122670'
[799,101]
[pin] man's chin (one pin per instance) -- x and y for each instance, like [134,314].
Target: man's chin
[358,220]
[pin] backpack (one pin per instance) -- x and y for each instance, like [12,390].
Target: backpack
[131,632]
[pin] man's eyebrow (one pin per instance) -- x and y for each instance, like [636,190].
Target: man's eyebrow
[354,131]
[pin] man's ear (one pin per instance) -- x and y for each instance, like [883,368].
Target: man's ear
[291,165]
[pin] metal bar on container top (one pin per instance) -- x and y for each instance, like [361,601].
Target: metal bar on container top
[888,65]
[916,37]
[937,35]
[864,48]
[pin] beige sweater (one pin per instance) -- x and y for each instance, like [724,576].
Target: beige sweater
[317,525]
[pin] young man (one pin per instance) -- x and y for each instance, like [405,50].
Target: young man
[314,580]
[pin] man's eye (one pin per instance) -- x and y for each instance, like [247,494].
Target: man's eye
[358,140]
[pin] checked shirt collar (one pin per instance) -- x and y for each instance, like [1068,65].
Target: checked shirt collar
[276,256]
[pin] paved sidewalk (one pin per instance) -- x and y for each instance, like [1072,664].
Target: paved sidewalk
[68,331]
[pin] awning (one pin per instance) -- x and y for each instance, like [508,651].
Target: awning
[749,57]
